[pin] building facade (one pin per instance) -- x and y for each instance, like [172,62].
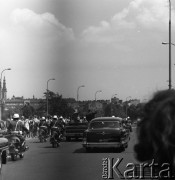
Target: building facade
[14,103]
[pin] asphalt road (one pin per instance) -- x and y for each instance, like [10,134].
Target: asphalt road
[68,162]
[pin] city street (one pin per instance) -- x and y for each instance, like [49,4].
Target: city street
[69,65]
[69,161]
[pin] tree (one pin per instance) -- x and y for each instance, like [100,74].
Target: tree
[107,110]
[119,111]
[135,112]
[56,105]
[8,113]
[114,110]
[28,110]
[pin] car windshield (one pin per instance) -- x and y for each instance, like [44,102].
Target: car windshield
[104,124]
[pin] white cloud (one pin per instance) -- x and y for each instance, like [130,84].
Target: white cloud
[45,24]
[140,14]
[151,13]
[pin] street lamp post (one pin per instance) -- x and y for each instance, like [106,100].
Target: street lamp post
[126,106]
[4,70]
[170,85]
[96,93]
[78,92]
[47,95]
[165,43]
[170,44]
[1,92]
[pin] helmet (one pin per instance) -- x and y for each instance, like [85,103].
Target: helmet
[16,116]
[55,117]
[43,118]
[61,117]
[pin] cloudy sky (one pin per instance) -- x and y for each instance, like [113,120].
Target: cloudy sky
[109,45]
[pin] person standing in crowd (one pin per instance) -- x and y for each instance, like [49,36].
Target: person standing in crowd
[90,115]
[156,133]
[23,119]
[48,122]
[75,116]
[36,126]
[26,124]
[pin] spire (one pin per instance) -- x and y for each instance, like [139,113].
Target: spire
[4,90]
[4,85]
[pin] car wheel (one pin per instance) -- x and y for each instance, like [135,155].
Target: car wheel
[57,144]
[13,157]
[41,139]
[4,157]
[21,155]
[53,145]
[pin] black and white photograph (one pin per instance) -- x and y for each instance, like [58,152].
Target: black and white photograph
[87,89]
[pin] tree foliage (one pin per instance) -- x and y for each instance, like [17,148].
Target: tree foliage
[114,110]
[117,110]
[135,112]
[27,110]
[56,105]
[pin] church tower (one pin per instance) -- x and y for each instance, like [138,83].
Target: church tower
[4,90]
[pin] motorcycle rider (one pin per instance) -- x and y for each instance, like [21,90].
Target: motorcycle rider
[44,125]
[16,125]
[42,122]
[55,123]
[48,121]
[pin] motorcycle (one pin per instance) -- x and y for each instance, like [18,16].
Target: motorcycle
[43,134]
[56,137]
[17,145]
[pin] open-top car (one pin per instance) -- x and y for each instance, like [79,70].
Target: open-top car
[106,132]
[75,130]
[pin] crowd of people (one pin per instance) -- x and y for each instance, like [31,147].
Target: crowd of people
[30,126]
